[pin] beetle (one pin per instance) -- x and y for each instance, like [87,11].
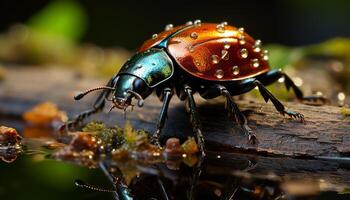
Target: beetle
[206,58]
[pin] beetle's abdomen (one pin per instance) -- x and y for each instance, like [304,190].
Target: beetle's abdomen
[216,52]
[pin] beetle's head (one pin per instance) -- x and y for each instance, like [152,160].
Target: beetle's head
[137,78]
[128,87]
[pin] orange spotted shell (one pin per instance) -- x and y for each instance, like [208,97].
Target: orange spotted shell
[209,51]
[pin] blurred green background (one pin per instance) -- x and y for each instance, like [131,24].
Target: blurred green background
[98,37]
[129,23]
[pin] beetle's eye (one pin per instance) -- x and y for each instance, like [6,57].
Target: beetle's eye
[138,84]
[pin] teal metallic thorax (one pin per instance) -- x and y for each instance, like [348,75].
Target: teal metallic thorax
[153,66]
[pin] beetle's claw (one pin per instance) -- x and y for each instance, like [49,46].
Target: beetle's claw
[295,115]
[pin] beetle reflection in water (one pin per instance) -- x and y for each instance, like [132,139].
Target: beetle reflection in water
[203,181]
[211,59]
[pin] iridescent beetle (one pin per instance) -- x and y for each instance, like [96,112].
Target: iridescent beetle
[211,59]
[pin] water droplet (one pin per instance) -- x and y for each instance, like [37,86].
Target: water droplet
[255,62]
[194,35]
[197,22]
[220,28]
[257,46]
[235,70]
[138,66]
[153,64]
[241,30]
[244,53]
[257,49]
[215,59]
[226,45]
[218,156]
[257,42]
[189,23]
[265,55]
[241,40]
[169,27]
[224,23]
[224,55]
[219,73]
[197,63]
[154,36]
[191,49]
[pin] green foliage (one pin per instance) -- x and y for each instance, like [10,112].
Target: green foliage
[281,56]
[64,19]
[344,111]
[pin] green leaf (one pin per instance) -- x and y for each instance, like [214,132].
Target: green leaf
[64,19]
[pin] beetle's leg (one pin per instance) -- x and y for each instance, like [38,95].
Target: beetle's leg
[278,105]
[162,116]
[274,75]
[97,107]
[195,118]
[237,115]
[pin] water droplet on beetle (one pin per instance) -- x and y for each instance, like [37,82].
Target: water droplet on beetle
[169,27]
[138,66]
[241,30]
[224,23]
[197,22]
[235,70]
[265,55]
[197,63]
[257,46]
[189,23]
[220,28]
[224,55]
[191,49]
[194,35]
[154,36]
[219,73]
[227,45]
[255,62]
[244,53]
[242,40]
[215,59]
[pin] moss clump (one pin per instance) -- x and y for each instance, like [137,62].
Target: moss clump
[111,137]
[344,111]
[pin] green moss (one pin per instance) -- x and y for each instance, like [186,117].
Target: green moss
[344,111]
[109,136]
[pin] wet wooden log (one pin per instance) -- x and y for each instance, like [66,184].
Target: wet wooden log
[326,133]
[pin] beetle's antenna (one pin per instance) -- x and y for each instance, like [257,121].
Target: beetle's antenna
[138,97]
[82,184]
[82,94]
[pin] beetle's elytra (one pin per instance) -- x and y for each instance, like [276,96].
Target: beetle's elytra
[211,59]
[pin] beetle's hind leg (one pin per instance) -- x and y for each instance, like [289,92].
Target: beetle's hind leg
[237,115]
[278,105]
[274,75]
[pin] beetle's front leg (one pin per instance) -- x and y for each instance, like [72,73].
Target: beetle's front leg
[162,116]
[97,107]
[195,118]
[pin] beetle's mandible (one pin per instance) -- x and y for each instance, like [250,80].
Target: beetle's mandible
[205,58]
